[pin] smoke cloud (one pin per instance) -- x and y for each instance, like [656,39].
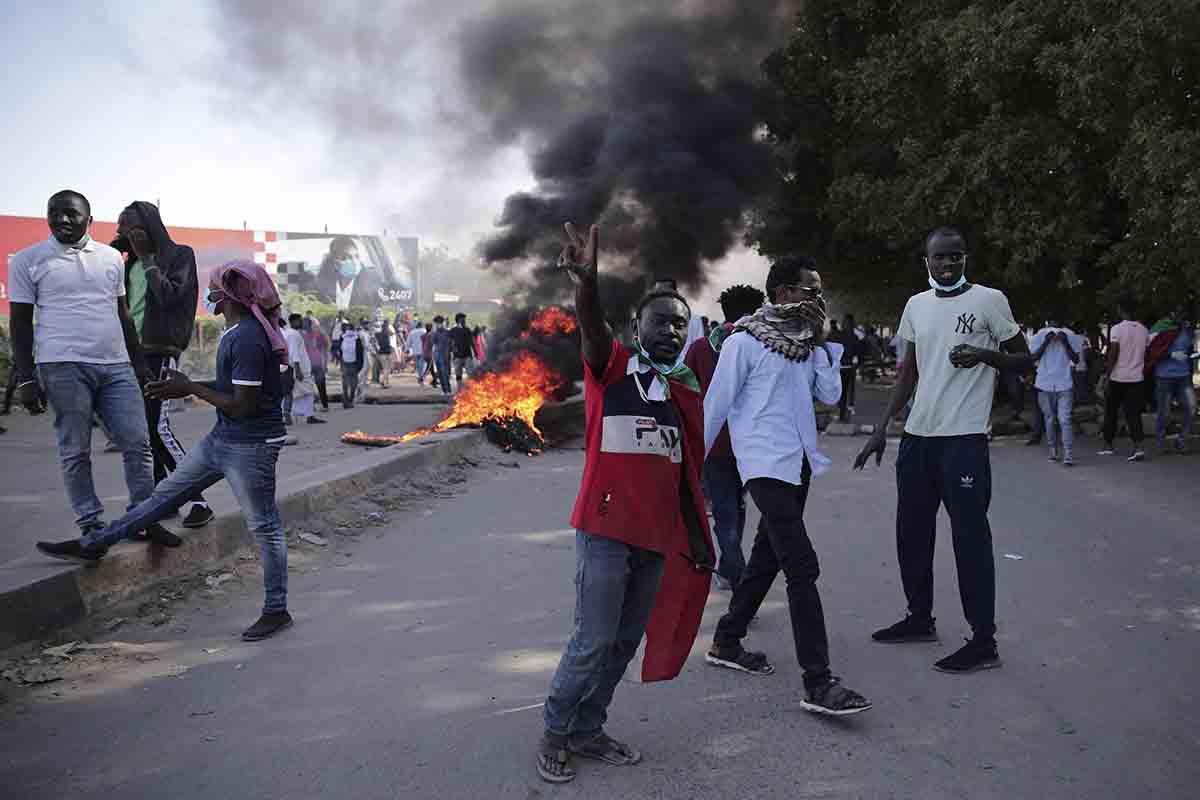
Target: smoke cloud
[645,121]
[641,117]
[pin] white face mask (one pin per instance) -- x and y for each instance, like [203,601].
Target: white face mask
[961,282]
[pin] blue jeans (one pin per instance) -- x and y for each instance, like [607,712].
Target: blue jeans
[1181,389]
[615,587]
[1059,406]
[76,391]
[420,366]
[442,371]
[723,486]
[250,469]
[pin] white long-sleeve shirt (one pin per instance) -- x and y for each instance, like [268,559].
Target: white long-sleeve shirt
[768,402]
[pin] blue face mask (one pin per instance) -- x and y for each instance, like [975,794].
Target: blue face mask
[347,268]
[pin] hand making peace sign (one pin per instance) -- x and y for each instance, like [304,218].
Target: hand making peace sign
[580,258]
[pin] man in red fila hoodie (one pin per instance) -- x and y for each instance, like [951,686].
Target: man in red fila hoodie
[642,547]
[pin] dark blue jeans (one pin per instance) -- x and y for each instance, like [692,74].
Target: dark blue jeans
[250,469]
[954,471]
[442,371]
[615,587]
[723,487]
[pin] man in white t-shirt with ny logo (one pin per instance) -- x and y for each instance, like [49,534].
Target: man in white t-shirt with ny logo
[961,335]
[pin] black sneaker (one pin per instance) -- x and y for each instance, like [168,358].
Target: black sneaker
[199,516]
[831,698]
[72,550]
[975,655]
[267,625]
[159,535]
[909,629]
[315,421]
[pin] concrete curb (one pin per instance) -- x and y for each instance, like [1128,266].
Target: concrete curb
[38,595]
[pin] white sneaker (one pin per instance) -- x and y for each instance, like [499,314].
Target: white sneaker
[1138,455]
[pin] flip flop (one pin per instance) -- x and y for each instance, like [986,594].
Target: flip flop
[603,747]
[553,754]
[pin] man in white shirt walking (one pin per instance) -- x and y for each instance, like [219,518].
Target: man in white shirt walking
[88,356]
[1057,349]
[961,335]
[770,369]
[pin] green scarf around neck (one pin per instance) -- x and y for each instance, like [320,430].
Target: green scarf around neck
[678,372]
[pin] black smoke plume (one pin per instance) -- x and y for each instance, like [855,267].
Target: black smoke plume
[641,116]
[645,120]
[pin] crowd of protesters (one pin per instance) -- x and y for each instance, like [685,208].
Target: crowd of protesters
[112,324]
[1132,366]
[690,412]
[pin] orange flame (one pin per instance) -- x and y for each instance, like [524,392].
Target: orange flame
[518,391]
[551,321]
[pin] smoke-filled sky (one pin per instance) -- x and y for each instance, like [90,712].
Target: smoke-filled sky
[439,118]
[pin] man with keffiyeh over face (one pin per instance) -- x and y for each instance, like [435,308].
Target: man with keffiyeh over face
[242,448]
[643,554]
[770,369]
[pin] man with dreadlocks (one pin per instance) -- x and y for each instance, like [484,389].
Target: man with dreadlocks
[722,484]
[642,548]
[770,368]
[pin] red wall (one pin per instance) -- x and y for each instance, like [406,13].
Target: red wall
[213,246]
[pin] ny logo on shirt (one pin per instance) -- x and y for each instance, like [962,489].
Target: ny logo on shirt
[966,324]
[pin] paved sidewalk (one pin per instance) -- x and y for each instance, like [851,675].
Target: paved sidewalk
[33,503]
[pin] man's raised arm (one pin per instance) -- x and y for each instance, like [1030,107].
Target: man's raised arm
[580,259]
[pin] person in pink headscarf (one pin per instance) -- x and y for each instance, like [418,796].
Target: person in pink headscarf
[243,447]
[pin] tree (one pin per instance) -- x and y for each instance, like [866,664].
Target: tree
[1063,136]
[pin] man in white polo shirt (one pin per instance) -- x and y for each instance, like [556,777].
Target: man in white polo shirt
[961,336]
[1057,350]
[87,349]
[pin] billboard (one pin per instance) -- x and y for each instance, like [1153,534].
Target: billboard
[345,270]
[342,269]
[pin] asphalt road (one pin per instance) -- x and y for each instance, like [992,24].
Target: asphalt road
[422,652]
[34,503]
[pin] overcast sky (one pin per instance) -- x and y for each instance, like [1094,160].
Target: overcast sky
[129,100]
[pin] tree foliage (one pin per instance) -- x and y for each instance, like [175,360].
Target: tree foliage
[1063,136]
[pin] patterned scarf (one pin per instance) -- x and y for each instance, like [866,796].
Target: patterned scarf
[782,328]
